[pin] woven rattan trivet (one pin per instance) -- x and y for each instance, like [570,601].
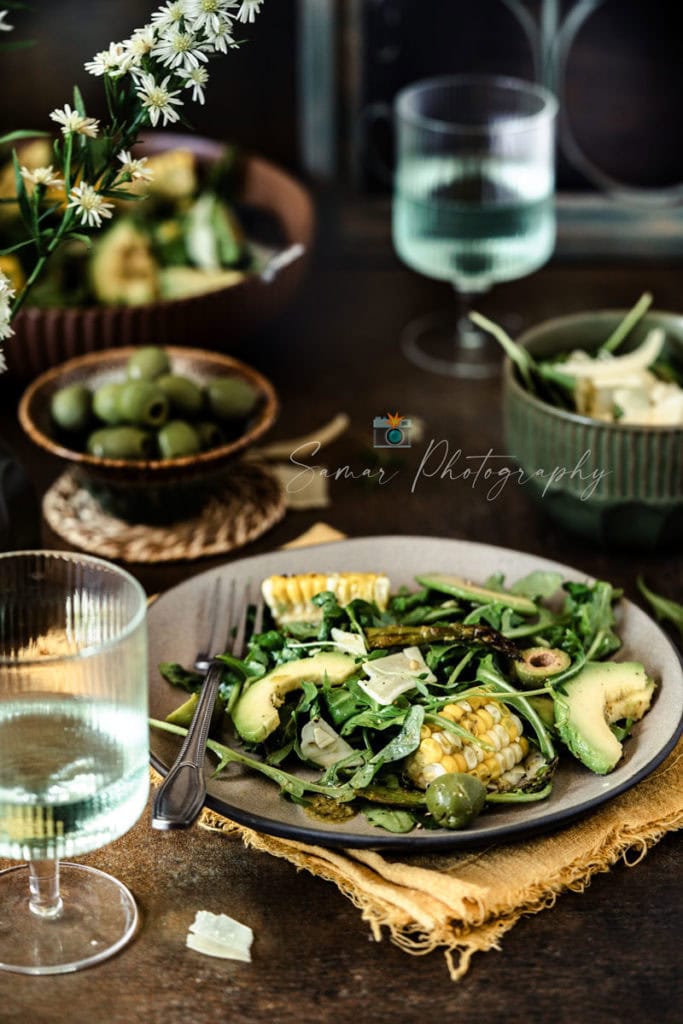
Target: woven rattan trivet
[250,504]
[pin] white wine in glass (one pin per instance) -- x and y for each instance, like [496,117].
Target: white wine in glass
[473,201]
[74,754]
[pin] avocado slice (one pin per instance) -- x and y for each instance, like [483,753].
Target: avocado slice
[457,586]
[184,714]
[536,664]
[255,715]
[599,695]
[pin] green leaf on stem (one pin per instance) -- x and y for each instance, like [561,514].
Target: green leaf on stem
[664,608]
[627,324]
[78,101]
[22,195]
[519,356]
[24,133]
[15,248]
[76,236]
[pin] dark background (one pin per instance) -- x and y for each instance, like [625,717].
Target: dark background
[624,85]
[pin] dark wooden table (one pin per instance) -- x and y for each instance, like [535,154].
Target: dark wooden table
[609,955]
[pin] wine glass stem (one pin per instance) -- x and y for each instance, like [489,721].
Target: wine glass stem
[466,334]
[44,900]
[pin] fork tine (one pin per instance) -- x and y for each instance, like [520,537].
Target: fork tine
[258,616]
[228,616]
[240,614]
[180,797]
[210,622]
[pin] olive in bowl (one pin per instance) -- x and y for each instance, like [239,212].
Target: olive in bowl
[144,454]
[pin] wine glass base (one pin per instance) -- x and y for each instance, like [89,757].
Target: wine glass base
[98,918]
[437,344]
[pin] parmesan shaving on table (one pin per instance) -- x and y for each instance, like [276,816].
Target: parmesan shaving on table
[221,936]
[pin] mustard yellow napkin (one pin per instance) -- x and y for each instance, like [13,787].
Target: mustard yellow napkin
[464,903]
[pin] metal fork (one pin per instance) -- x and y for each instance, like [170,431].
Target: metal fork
[181,796]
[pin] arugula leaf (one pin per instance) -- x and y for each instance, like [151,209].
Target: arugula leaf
[403,744]
[390,819]
[538,584]
[592,617]
[664,608]
[333,614]
[622,732]
[343,702]
[488,674]
[627,324]
[176,675]
[288,783]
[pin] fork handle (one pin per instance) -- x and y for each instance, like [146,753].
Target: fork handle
[181,795]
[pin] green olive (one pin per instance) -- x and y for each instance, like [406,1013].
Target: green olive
[176,439]
[210,435]
[148,363]
[71,407]
[121,443]
[144,404]
[185,396]
[231,397]
[454,800]
[105,403]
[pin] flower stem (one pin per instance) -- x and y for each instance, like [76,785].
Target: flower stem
[40,263]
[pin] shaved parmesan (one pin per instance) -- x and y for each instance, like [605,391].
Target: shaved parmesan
[221,936]
[351,643]
[580,364]
[322,745]
[389,677]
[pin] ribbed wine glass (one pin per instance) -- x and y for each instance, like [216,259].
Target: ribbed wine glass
[473,201]
[74,754]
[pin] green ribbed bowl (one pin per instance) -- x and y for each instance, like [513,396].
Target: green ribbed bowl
[619,485]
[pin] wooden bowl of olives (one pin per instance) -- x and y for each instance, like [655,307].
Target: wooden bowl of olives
[150,431]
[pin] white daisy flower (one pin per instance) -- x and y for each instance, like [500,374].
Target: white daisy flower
[140,43]
[248,10]
[196,79]
[170,14]
[209,15]
[89,205]
[4,27]
[179,50]
[137,169]
[42,176]
[6,289]
[5,330]
[223,40]
[113,62]
[6,296]
[158,99]
[74,123]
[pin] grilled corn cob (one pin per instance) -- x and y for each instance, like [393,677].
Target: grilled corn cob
[441,751]
[289,598]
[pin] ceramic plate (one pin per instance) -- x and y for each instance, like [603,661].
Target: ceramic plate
[177,623]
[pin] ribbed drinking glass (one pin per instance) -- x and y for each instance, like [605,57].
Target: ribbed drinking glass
[74,754]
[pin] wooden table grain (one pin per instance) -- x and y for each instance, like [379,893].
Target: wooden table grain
[609,955]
